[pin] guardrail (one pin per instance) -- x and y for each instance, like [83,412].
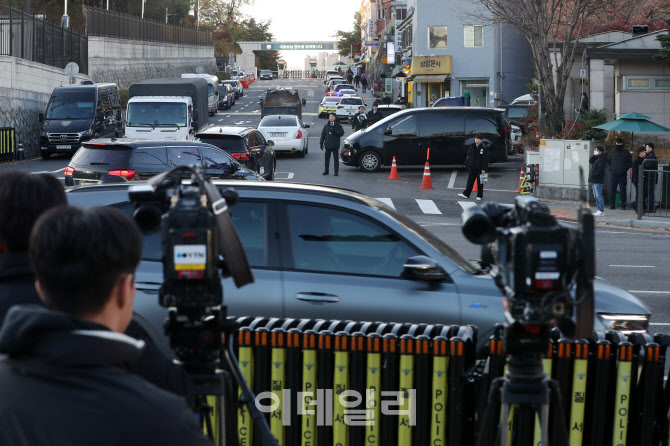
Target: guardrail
[101,22]
[7,145]
[652,187]
[423,384]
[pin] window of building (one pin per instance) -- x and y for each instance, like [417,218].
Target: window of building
[638,83]
[474,36]
[437,37]
[662,83]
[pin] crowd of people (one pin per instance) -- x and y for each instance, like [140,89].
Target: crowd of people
[619,161]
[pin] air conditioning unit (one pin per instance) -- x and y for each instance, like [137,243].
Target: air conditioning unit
[498,96]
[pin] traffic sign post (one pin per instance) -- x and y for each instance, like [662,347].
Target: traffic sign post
[72,69]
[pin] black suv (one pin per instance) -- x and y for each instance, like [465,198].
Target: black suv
[517,114]
[447,131]
[247,145]
[136,159]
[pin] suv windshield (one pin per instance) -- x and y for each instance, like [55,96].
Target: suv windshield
[266,73]
[107,156]
[156,114]
[225,142]
[351,101]
[278,122]
[71,104]
[517,112]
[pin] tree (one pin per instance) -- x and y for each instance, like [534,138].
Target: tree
[348,41]
[553,29]
[664,54]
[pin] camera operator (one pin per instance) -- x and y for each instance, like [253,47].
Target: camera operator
[65,379]
[23,198]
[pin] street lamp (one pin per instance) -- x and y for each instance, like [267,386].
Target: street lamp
[143,1]
[65,21]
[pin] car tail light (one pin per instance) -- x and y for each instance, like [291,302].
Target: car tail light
[240,155]
[127,174]
[68,171]
[298,135]
[330,93]
[340,106]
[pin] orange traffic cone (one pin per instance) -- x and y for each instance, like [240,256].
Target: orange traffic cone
[394,171]
[426,183]
[475,187]
[518,189]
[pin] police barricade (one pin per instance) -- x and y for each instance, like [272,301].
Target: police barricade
[346,383]
[7,146]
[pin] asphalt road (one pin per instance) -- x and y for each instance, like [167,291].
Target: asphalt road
[635,260]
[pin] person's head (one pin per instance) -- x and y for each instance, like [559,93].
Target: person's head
[386,95]
[84,263]
[23,198]
[332,117]
[375,106]
[598,150]
[584,95]
[641,151]
[649,147]
[399,97]
[478,138]
[361,109]
[619,143]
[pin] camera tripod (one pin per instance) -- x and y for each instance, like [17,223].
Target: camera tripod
[526,389]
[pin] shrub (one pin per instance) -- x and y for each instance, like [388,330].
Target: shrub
[590,119]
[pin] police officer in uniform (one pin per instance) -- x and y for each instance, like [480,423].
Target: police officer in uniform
[330,141]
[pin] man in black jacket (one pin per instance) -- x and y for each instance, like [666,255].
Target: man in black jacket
[619,161]
[65,378]
[330,140]
[375,115]
[360,120]
[477,162]
[386,99]
[639,189]
[597,178]
[23,198]
[652,179]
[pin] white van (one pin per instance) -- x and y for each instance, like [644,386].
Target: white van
[212,90]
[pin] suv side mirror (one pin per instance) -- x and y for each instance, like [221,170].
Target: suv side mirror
[306,126]
[270,142]
[388,131]
[40,117]
[423,268]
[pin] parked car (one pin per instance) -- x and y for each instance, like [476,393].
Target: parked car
[329,74]
[266,75]
[337,89]
[348,107]
[288,132]
[389,109]
[321,252]
[517,114]
[138,159]
[237,87]
[327,105]
[246,145]
[78,113]
[448,131]
[227,97]
[330,88]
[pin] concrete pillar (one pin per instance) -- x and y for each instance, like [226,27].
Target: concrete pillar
[597,83]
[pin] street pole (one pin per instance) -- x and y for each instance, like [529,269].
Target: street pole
[166,14]
[142,8]
[65,21]
[107,5]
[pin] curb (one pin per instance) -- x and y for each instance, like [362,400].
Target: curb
[643,224]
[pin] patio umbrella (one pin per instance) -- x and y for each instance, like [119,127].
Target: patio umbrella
[339,63]
[633,122]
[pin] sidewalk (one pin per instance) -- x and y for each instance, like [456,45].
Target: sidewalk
[616,217]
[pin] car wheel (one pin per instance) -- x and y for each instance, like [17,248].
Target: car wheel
[302,153]
[46,155]
[370,161]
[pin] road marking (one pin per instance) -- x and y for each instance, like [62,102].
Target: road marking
[659,323]
[428,206]
[452,180]
[439,224]
[466,204]
[648,292]
[387,201]
[289,175]
[632,266]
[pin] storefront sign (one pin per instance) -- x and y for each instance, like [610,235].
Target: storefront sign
[296,46]
[390,53]
[431,65]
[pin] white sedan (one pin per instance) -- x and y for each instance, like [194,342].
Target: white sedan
[348,107]
[288,133]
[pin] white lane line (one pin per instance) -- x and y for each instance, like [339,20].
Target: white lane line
[452,180]
[387,201]
[428,206]
[466,204]
[632,266]
[660,323]
[648,292]
[289,175]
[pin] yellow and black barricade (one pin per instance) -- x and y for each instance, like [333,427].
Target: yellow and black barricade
[293,381]
[245,358]
[340,388]
[324,431]
[563,376]
[261,368]
[440,392]
[422,384]
[622,397]
[7,146]
[373,385]
[357,380]
[456,367]
[309,388]
[405,387]
[649,393]
[390,377]
[598,402]
[278,383]
[578,395]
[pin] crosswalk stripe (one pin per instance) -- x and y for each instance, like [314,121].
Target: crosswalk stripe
[466,204]
[387,201]
[428,206]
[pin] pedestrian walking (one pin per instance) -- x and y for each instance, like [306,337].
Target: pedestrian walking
[477,163]
[639,188]
[597,177]
[357,80]
[330,141]
[583,105]
[360,120]
[652,179]
[619,162]
[364,82]
[375,115]
[386,99]
[350,78]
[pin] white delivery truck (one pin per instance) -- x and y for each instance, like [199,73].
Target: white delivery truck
[212,90]
[167,109]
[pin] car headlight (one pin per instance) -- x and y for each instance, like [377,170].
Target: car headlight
[625,323]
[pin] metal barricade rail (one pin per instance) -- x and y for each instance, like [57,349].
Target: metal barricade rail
[652,188]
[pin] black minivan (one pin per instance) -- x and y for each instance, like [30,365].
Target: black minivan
[78,113]
[447,131]
[138,159]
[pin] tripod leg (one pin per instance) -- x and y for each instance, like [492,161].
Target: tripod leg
[560,430]
[489,420]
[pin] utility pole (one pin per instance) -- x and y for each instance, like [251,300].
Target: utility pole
[65,21]
[142,7]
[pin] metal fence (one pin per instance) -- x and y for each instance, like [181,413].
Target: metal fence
[7,146]
[32,37]
[100,22]
[652,189]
